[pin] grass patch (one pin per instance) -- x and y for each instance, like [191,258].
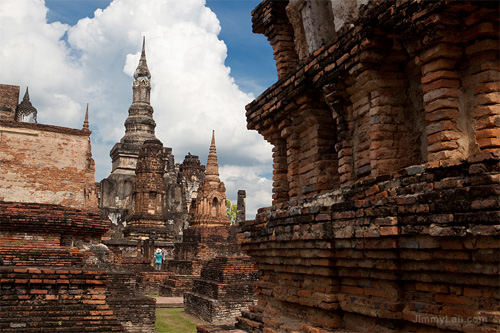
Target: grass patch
[173,321]
[152,295]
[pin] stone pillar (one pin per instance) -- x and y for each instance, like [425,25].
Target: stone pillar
[241,206]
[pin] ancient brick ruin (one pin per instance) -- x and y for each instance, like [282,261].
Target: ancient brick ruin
[384,123]
[148,215]
[55,275]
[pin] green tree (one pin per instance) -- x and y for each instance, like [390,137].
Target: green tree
[231,211]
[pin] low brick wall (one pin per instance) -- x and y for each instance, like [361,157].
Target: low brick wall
[177,285]
[52,299]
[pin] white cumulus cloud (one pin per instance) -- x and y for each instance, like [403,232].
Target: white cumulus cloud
[93,61]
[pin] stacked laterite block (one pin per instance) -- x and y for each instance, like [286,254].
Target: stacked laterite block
[223,290]
[386,181]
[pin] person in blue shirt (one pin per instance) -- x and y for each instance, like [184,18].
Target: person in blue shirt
[158,259]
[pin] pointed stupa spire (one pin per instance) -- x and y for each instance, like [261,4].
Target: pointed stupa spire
[26,95]
[212,171]
[25,111]
[142,71]
[86,121]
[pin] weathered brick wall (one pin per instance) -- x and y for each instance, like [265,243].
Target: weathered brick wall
[417,251]
[45,164]
[386,175]
[9,97]
[200,244]
[150,282]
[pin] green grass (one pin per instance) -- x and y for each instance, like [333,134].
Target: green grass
[173,321]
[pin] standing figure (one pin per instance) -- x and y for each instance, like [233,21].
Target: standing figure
[158,259]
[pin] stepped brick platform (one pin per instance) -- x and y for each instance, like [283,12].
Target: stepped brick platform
[150,282]
[223,290]
[199,246]
[217,329]
[12,255]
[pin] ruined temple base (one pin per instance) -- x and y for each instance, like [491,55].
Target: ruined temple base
[213,310]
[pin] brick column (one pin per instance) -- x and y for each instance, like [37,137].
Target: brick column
[482,79]
[269,18]
[280,169]
[441,88]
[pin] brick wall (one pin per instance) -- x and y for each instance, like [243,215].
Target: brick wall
[45,164]
[389,92]
[52,275]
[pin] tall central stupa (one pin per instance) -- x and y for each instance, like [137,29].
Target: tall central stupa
[117,191]
[140,125]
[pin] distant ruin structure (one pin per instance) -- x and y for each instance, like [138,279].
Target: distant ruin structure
[223,290]
[386,157]
[209,234]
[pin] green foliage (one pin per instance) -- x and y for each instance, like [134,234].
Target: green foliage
[172,321]
[231,211]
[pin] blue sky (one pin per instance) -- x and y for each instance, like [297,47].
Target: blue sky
[250,55]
